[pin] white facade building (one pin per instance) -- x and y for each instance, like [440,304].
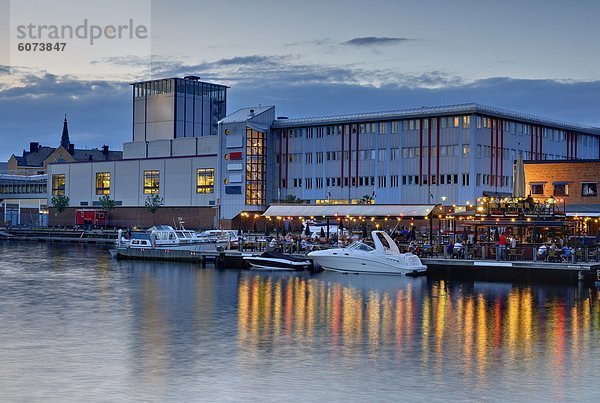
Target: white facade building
[210,171]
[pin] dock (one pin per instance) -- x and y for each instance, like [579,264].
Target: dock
[500,270]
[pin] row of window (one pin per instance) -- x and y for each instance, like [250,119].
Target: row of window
[491,180]
[378,128]
[588,189]
[415,152]
[378,155]
[205,182]
[382,181]
[23,188]
[393,127]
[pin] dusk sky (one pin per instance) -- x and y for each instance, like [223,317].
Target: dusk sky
[306,58]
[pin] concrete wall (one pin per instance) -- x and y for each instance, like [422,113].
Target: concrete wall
[177,181]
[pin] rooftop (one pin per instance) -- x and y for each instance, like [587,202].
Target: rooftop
[245,114]
[433,111]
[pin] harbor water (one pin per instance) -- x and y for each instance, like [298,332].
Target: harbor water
[77,325]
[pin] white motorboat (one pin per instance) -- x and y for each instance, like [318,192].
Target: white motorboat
[166,237]
[384,258]
[277,261]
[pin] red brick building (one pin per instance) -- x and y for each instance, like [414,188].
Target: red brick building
[573,183]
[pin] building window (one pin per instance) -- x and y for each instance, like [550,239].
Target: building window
[58,185]
[561,189]
[466,122]
[205,180]
[103,183]
[537,188]
[151,182]
[256,167]
[589,189]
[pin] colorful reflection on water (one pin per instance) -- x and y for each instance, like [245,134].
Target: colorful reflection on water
[466,329]
[79,326]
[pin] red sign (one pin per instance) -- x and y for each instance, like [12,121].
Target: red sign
[235,156]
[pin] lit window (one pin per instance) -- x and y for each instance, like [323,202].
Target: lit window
[102,183]
[205,180]
[151,182]
[589,189]
[58,185]
[256,167]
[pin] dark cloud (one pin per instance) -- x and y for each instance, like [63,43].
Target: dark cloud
[100,111]
[249,60]
[367,41]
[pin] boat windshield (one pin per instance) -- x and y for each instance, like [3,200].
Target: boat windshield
[360,246]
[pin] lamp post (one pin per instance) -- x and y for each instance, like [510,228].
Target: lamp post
[443,200]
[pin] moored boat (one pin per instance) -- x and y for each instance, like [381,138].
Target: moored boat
[277,261]
[383,258]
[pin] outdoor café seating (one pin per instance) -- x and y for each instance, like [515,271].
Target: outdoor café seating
[553,255]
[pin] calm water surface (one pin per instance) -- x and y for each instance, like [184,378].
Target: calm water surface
[76,325]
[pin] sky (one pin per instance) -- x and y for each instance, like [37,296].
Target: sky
[307,58]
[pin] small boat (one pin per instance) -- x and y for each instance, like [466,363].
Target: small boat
[166,237]
[277,261]
[384,258]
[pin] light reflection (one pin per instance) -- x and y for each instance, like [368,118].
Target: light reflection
[443,320]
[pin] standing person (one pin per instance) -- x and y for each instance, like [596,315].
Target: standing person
[501,247]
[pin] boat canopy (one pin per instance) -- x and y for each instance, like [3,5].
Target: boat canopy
[353,210]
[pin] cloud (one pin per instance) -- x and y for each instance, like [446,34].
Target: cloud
[368,41]
[312,42]
[99,111]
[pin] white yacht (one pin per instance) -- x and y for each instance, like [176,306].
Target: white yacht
[166,237]
[384,258]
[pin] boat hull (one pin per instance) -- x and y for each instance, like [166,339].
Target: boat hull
[363,265]
[260,263]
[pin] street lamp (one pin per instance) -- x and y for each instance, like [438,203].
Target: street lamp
[443,200]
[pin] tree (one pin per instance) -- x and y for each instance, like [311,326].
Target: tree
[60,203]
[153,203]
[107,203]
[291,199]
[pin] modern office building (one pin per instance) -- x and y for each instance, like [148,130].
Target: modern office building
[449,154]
[210,168]
[174,154]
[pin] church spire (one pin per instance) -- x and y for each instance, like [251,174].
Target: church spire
[64,139]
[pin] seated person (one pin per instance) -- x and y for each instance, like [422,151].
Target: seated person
[542,251]
[565,253]
[427,250]
[457,250]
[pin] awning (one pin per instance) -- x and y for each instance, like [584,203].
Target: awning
[583,210]
[560,183]
[583,214]
[353,210]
